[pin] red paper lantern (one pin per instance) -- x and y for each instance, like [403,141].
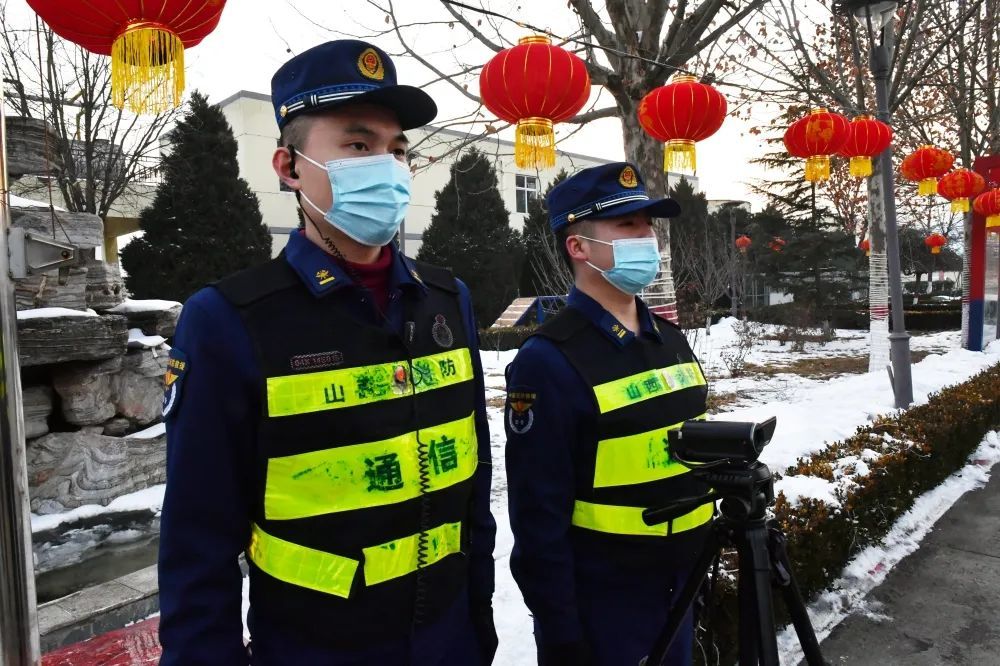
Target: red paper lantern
[926,165]
[867,138]
[534,85]
[777,244]
[987,204]
[935,242]
[679,114]
[959,187]
[743,243]
[815,138]
[866,245]
[145,39]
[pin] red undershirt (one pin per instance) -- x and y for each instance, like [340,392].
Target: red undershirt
[374,276]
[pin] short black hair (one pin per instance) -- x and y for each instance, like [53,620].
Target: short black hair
[581,228]
[296,130]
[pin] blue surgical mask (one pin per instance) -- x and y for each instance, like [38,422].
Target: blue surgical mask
[370,196]
[637,261]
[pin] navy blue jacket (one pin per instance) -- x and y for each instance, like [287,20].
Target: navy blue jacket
[206,517]
[550,567]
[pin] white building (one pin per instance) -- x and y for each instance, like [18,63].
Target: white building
[252,118]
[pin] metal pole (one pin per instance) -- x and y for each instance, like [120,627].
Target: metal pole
[899,339]
[18,619]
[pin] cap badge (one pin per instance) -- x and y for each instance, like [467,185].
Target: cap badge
[628,178]
[370,65]
[283,111]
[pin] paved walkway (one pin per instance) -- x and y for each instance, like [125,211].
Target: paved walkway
[942,603]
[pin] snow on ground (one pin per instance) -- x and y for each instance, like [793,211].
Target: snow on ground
[40,313]
[150,305]
[870,567]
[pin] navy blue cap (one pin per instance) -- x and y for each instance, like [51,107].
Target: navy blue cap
[346,71]
[597,193]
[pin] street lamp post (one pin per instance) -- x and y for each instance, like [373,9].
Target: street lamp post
[878,17]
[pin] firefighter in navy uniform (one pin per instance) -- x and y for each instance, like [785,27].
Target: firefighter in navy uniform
[591,396]
[325,415]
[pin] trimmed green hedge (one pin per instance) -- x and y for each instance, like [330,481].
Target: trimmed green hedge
[923,317]
[926,445]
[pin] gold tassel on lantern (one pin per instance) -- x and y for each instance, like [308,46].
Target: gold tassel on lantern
[535,144]
[147,68]
[960,205]
[927,187]
[935,250]
[817,168]
[679,156]
[861,166]
[993,222]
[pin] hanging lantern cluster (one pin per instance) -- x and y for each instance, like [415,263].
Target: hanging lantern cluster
[867,138]
[926,165]
[743,243]
[777,244]
[680,114]
[146,40]
[935,242]
[534,85]
[866,247]
[987,204]
[959,187]
[815,138]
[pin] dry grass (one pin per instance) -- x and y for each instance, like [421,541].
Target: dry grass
[823,368]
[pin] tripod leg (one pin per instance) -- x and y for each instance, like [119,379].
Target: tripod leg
[683,603]
[793,601]
[747,597]
[757,542]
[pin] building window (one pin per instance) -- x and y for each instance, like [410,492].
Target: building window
[526,189]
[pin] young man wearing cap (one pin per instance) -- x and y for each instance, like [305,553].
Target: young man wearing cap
[591,396]
[325,415]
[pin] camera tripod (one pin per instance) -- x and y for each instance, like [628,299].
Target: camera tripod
[745,493]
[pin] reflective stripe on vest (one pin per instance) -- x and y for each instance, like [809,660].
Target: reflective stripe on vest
[634,459]
[300,565]
[398,558]
[360,476]
[351,387]
[628,519]
[647,384]
[333,574]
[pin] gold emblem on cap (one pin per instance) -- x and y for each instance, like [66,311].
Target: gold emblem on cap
[571,218]
[370,65]
[283,111]
[628,178]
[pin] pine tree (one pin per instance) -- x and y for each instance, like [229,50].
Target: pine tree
[537,233]
[205,222]
[470,233]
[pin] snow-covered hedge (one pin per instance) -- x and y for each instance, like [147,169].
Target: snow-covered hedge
[876,474]
[504,338]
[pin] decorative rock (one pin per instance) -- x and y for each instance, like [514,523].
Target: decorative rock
[117,427]
[138,389]
[86,392]
[82,229]
[69,469]
[26,146]
[37,401]
[48,340]
[44,291]
[105,288]
[153,317]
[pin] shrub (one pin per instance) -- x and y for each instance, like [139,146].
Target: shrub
[504,338]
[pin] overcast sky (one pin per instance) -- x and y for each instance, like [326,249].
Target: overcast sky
[254,38]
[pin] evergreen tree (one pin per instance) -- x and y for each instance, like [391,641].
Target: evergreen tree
[205,222]
[470,233]
[537,233]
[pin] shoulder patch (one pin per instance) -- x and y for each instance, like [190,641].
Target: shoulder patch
[177,366]
[520,415]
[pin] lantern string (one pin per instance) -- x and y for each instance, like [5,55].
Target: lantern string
[708,78]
